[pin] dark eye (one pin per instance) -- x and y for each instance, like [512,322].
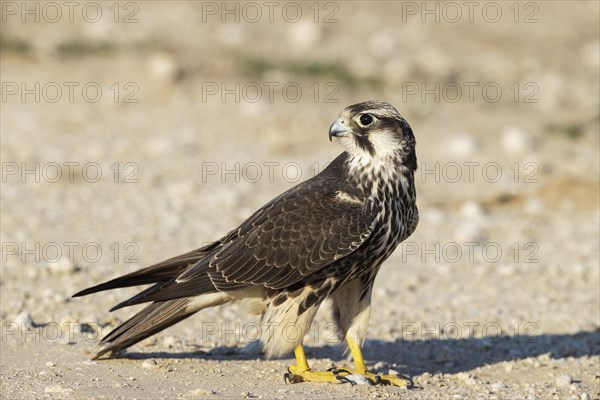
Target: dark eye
[366,119]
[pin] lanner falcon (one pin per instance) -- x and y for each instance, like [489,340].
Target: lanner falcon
[322,239]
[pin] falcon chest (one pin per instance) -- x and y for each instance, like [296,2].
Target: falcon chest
[391,194]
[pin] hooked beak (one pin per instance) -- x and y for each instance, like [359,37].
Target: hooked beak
[338,129]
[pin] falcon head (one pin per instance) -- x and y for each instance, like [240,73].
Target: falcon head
[375,131]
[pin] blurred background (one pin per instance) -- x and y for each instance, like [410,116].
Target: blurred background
[133,131]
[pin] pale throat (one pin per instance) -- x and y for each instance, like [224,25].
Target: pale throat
[387,173]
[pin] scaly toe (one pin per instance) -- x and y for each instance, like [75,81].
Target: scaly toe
[394,380]
[295,375]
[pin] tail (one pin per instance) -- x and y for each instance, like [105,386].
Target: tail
[171,302]
[156,317]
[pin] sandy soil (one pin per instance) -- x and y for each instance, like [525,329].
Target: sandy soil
[151,128]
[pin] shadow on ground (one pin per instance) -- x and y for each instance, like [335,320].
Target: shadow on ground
[415,357]
[453,356]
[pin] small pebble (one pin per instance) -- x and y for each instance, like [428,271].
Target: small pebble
[469,232]
[534,206]
[564,380]
[545,357]
[497,386]
[62,266]
[24,320]
[151,363]
[462,146]
[57,389]
[202,392]
[50,364]
[509,270]
[463,376]
[162,66]
[149,342]
[304,34]
[515,140]
[471,381]
[472,209]
[169,341]
[380,365]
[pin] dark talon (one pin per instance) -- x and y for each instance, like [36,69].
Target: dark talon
[377,380]
[337,371]
[343,379]
[288,376]
[410,383]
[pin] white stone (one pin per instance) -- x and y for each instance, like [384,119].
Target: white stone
[564,380]
[304,34]
[62,266]
[24,320]
[515,141]
[151,363]
[169,341]
[162,66]
[57,389]
[202,392]
[463,145]
[469,232]
[472,209]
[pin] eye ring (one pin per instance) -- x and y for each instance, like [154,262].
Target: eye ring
[365,120]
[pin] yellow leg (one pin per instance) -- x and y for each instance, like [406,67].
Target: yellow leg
[301,372]
[301,363]
[360,368]
[359,361]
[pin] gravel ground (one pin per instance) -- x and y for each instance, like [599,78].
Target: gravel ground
[144,131]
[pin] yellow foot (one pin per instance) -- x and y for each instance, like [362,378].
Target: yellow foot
[343,375]
[296,374]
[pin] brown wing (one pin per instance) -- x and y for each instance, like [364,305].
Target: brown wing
[302,231]
[300,234]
